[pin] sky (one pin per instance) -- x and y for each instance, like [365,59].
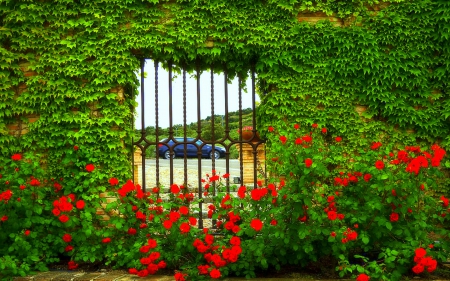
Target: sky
[191,97]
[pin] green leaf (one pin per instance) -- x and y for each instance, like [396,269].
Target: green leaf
[389,225]
[365,240]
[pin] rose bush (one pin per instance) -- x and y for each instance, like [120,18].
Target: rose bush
[372,214]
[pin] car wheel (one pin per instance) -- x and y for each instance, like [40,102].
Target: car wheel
[167,155]
[214,154]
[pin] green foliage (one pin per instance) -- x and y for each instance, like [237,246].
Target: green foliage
[67,72]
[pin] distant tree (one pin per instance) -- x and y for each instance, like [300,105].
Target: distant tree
[207,131]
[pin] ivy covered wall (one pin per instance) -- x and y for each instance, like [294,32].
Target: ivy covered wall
[68,67]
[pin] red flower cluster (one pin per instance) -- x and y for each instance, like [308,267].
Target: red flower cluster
[363,277]
[16,157]
[231,223]
[72,265]
[34,182]
[331,210]
[375,145]
[216,256]
[241,192]
[6,195]
[416,161]
[350,235]
[149,261]
[258,193]
[422,262]
[127,188]
[63,205]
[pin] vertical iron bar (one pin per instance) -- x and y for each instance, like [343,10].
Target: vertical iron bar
[200,194]
[156,63]
[255,148]
[184,127]
[171,123]
[227,130]
[241,160]
[213,135]
[143,121]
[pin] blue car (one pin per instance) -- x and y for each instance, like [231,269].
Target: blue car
[192,147]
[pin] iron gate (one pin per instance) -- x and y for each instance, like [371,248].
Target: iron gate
[145,143]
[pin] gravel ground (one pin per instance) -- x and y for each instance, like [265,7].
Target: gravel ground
[164,177]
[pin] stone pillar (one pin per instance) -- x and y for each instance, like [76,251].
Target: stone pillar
[248,162]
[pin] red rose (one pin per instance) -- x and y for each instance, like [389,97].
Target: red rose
[72,265]
[68,248]
[203,269]
[283,139]
[132,231]
[308,162]
[67,238]
[215,273]
[394,217]
[418,269]
[75,147]
[16,157]
[256,224]
[132,271]
[180,276]
[162,264]
[106,240]
[175,189]
[296,126]
[90,167]
[35,182]
[185,227]
[375,145]
[332,215]
[113,181]
[184,210]
[420,252]
[167,224]
[379,164]
[27,232]
[193,221]
[63,218]
[274,222]
[270,129]
[241,192]
[80,204]
[362,277]
[338,139]
[314,125]
[340,216]
[235,240]
[324,130]
[333,234]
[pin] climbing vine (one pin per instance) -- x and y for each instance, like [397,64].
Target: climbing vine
[367,69]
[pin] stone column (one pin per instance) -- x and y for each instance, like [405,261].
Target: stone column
[248,162]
